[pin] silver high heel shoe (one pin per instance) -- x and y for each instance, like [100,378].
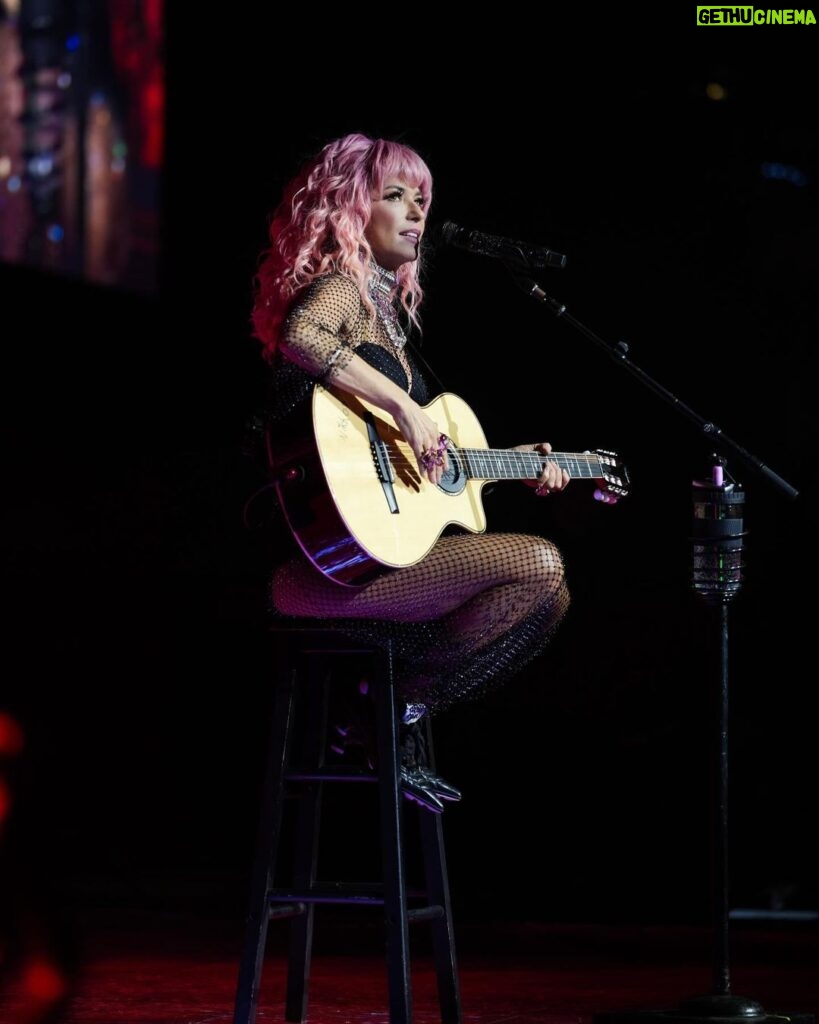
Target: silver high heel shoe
[356,740]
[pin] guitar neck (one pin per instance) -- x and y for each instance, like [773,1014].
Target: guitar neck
[507,464]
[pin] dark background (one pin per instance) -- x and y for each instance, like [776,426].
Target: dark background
[137,655]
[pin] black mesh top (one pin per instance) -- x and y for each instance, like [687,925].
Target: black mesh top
[328,323]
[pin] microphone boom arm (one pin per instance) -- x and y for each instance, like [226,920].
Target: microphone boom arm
[619,353]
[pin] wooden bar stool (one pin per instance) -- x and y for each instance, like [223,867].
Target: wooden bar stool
[309,658]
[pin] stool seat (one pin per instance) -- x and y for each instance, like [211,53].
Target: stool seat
[310,657]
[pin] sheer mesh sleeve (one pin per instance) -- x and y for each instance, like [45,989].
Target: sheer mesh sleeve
[320,327]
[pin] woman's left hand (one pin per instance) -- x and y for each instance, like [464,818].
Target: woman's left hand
[553,478]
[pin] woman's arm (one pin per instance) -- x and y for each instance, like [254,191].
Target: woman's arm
[314,337]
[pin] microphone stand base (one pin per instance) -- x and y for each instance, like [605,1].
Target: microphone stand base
[716,1009]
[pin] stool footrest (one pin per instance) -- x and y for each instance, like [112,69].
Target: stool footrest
[365,893]
[283,910]
[331,774]
[431,913]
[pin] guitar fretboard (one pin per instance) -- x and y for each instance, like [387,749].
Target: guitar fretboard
[503,464]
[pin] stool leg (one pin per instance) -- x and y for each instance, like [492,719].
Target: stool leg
[258,917]
[437,887]
[306,849]
[392,846]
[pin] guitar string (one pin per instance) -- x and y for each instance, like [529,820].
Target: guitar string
[518,465]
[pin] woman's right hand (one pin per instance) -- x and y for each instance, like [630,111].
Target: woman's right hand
[424,436]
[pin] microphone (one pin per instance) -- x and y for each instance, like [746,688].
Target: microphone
[529,257]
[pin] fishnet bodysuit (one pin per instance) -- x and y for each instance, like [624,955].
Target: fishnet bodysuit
[478,607]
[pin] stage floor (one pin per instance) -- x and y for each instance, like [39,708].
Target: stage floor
[136,967]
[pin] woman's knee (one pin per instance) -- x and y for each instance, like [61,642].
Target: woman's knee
[544,563]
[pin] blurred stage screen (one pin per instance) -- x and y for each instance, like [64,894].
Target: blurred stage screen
[82,119]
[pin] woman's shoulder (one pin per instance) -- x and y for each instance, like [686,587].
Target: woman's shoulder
[333,294]
[335,284]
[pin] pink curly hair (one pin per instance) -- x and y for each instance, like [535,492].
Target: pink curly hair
[318,228]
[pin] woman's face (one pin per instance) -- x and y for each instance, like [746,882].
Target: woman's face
[396,224]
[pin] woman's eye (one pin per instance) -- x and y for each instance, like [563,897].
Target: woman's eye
[421,201]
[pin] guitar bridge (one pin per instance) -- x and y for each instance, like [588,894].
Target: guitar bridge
[381,461]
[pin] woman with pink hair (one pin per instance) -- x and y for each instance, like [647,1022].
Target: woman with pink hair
[337,294]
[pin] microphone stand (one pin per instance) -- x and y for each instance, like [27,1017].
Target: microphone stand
[717,571]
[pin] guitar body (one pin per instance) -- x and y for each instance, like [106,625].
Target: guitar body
[355,500]
[357,505]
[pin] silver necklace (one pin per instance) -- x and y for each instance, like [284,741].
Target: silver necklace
[380,288]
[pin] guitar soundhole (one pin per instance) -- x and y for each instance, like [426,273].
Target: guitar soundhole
[454,479]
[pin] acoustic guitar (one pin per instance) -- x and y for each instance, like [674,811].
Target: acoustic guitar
[357,504]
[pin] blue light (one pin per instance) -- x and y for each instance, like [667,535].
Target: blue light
[41,166]
[74,42]
[784,172]
[55,233]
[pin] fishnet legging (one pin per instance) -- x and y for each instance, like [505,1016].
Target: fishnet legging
[473,612]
